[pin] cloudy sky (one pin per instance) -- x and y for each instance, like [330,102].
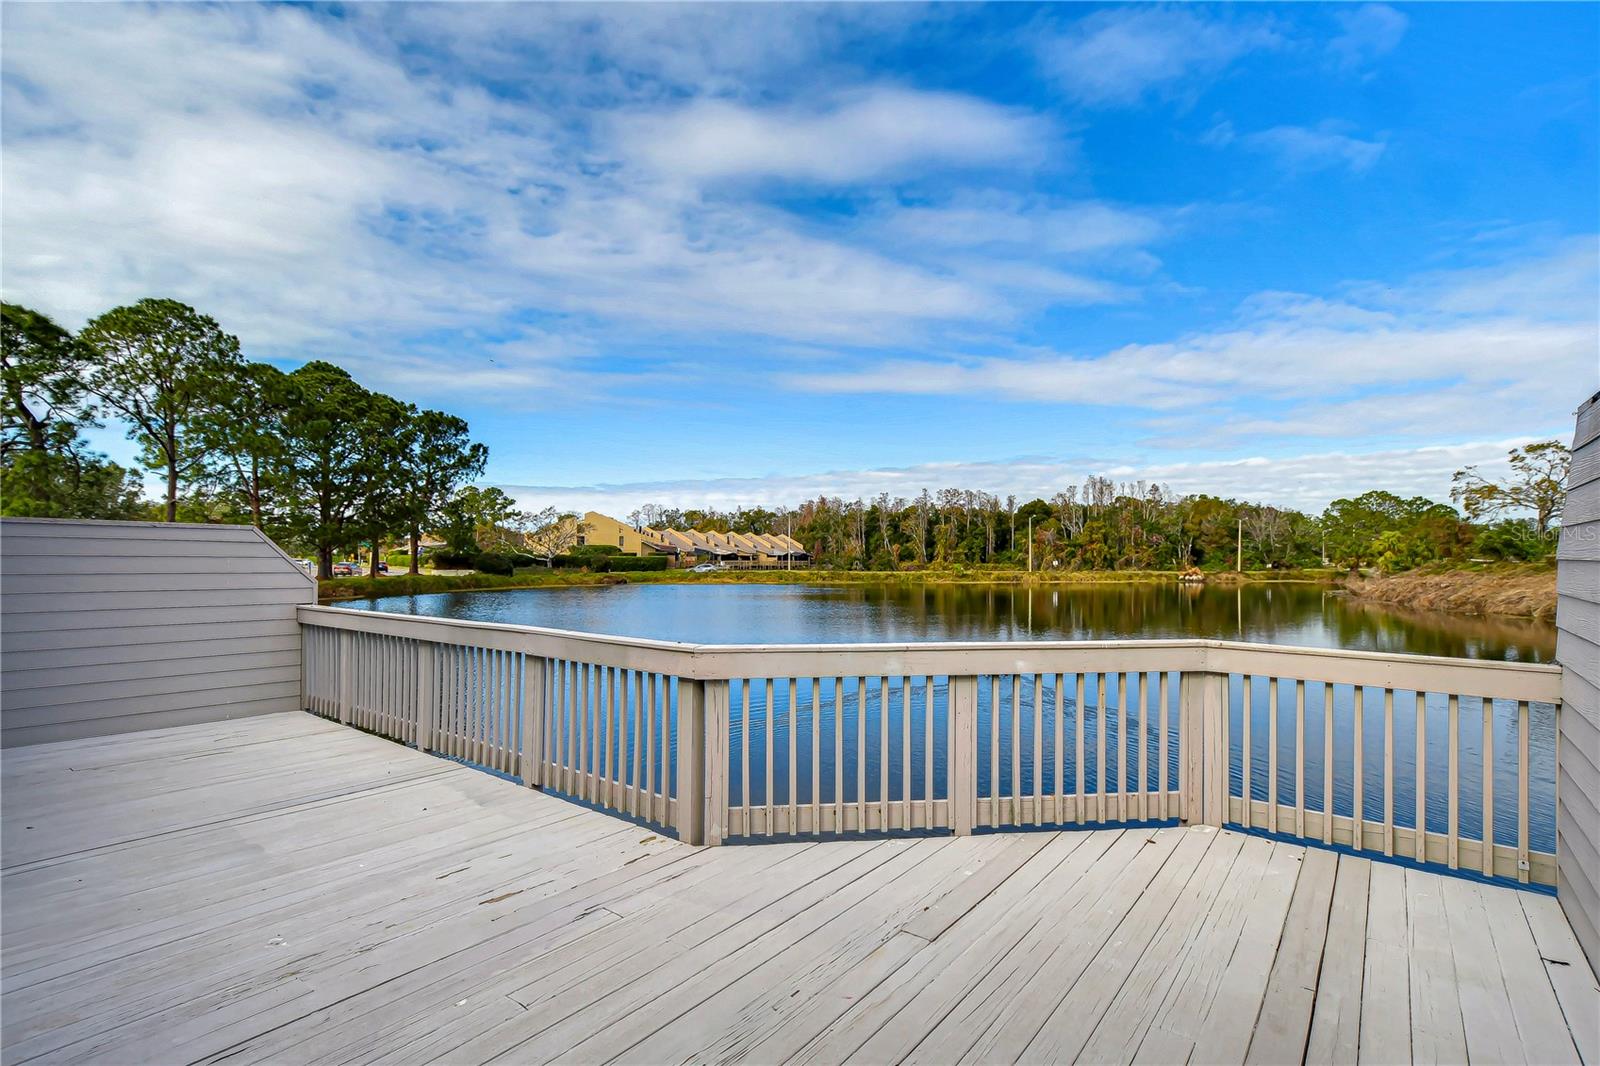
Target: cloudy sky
[720,255]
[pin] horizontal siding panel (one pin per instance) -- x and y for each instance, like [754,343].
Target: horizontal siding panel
[218,698]
[31,686]
[31,603]
[1575,842]
[1579,579]
[1583,503]
[231,563]
[165,532]
[23,547]
[1579,776]
[1579,617]
[136,585]
[188,679]
[15,641]
[1580,661]
[44,621]
[1585,467]
[1579,541]
[1587,427]
[61,660]
[168,718]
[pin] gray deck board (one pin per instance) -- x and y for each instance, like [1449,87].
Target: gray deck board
[283,889]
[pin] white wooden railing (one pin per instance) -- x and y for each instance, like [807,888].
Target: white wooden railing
[727,742]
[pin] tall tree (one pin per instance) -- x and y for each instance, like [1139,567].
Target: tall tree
[1537,484]
[160,367]
[439,461]
[384,508]
[241,436]
[327,475]
[45,469]
[473,518]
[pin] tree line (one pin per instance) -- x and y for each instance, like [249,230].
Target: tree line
[1105,525]
[325,465]
[311,456]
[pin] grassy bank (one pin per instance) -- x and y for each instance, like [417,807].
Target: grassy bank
[1526,590]
[537,577]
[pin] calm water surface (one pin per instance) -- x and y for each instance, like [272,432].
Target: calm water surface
[1299,614]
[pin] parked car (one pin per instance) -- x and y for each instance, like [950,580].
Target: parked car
[706,568]
[346,569]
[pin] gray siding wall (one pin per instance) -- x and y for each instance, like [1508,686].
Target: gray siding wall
[1578,650]
[110,627]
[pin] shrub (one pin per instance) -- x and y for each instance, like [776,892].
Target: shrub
[493,563]
[636,562]
[445,559]
[596,549]
[521,559]
[573,562]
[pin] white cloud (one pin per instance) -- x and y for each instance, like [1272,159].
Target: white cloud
[1118,55]
[1302,148]
[1390,362]
[1367,32]
[1307,482]
[860,135]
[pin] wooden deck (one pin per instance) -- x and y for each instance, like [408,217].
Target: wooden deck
[285,889]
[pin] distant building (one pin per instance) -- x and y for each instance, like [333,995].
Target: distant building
[690,547]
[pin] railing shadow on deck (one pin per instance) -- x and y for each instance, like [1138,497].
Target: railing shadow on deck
[1351,750]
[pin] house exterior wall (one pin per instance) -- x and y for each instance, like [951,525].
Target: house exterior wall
[1578,651]
[111,627]
[600,529]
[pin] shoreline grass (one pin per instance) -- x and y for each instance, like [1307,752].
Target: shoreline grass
[536,577]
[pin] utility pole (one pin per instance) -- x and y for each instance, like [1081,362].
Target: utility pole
[1239,565]
[788,549]
[1030,549]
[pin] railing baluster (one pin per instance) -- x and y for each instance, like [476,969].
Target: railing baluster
[861,754]
[1122,746]
[1388,771]
[1038,748]
[1247,694]
[1144,746]
[1100,746]
[1522,791]
[747,800]
[905,752]
[1454,780]
[1163,690]
[1056,816]
[994,750]
[768,721]
[1487,833]
[883,753]
[1421,843]
[1078,811]
[838,754]
[1272,754]
[1016,747]
[1299,758]
[815,684]
[794,768]
[927,747]
[1358,815]
[651,773]
[1327,762]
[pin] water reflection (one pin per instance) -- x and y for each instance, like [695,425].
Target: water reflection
[1287,613]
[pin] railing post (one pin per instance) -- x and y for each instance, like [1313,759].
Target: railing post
[346,663]
[964,754]
[1204,763]
[535,721]
[427,694]
[691,814]
[716,762]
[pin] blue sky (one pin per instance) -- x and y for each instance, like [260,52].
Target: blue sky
[731,254]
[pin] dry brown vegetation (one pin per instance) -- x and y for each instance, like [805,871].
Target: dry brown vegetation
[1522,591]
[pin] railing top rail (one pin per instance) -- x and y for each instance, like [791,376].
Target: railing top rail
[1495,679]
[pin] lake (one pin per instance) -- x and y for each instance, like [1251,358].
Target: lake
[1277,613]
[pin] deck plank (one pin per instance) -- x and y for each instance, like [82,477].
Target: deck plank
[286,889]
